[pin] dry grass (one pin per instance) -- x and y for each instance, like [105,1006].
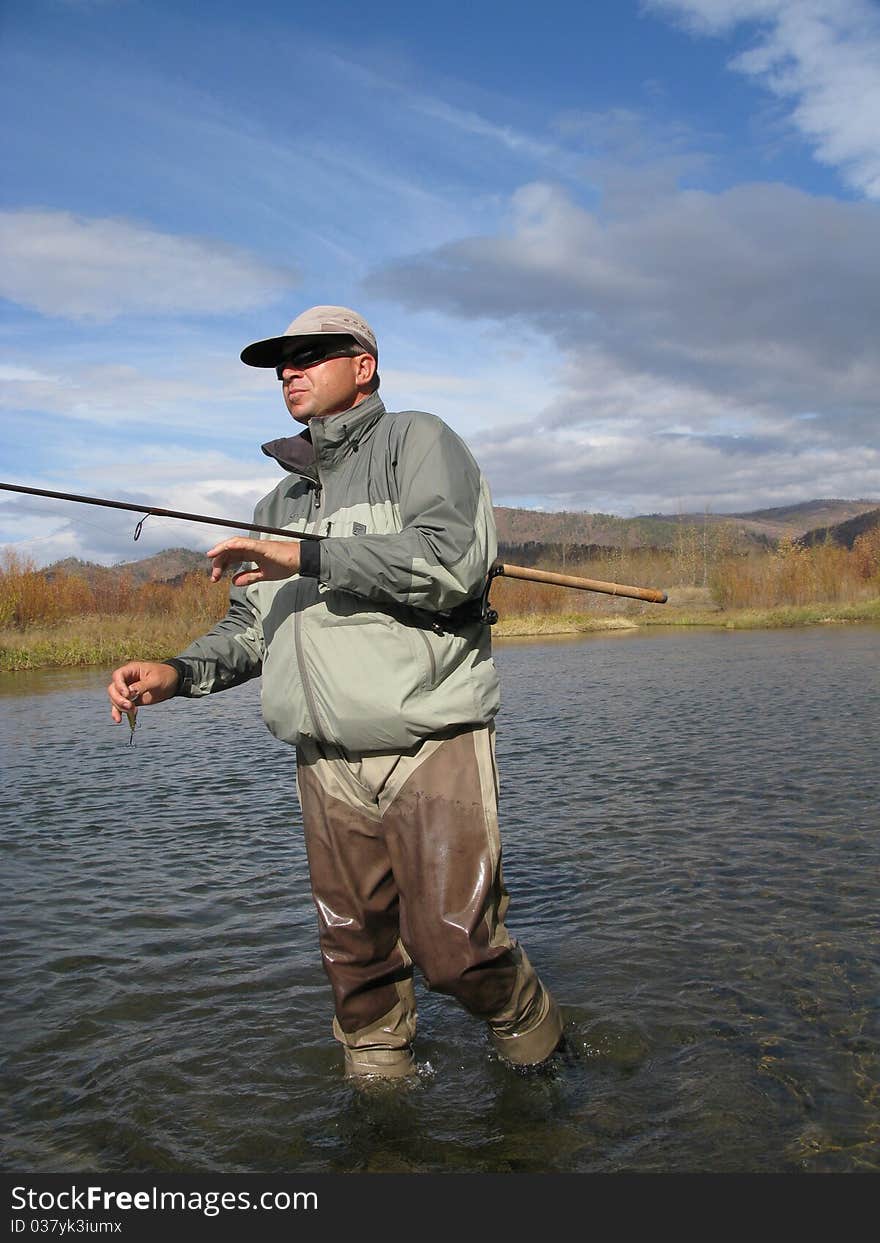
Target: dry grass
[702,578]
[29,597]
[534,624]
[707,585]
[79,641]
[793,575]
[64,620]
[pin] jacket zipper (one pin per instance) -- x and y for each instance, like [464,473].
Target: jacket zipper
[303,674]
[297,641]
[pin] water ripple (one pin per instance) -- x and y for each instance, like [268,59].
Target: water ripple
[691,842]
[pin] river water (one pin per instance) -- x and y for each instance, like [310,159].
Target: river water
[691,836]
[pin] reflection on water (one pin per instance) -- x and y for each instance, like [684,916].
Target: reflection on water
[691,841]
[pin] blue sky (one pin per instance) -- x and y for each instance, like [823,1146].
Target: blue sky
[630,251]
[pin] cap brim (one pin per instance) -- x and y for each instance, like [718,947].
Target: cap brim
[262,353]
[270,352]
[274,350]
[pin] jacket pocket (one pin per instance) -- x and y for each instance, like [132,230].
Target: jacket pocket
[366,672]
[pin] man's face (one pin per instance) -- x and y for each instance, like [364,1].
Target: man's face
[315,389]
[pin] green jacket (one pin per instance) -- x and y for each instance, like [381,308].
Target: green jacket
[357,649]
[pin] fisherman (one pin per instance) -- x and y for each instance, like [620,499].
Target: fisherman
[377,667]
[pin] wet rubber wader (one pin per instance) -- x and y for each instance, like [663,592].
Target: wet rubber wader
[405,862]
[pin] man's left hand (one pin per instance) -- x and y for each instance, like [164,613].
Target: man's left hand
[275,558]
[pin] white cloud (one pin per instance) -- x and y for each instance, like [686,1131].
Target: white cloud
[697,335]
[626,442]
[215,484]
[73,267]
[820,56]
[627,477]
[762,292]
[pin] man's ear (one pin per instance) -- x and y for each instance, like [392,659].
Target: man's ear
[365,368]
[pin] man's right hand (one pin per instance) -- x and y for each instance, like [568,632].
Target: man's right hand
[141,682]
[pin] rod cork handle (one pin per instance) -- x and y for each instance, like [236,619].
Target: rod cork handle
[651,594]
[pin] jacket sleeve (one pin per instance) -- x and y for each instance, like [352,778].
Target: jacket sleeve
[447,542]
[229,654]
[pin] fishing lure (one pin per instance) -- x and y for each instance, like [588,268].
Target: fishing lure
[131,713]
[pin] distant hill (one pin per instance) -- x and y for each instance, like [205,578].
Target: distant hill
[793,521]
[169,566]
[843,533]
[520,527]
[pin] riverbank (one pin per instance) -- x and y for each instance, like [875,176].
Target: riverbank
[110,641]
[85,641]
[724,619]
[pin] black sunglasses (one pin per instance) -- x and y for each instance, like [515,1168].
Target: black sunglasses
[311,355]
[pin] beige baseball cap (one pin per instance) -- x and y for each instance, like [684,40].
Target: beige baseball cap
[317,321]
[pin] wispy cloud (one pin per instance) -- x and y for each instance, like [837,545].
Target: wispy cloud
[473,124]
[121,395]
[462,123]
[73,267]
[822,57]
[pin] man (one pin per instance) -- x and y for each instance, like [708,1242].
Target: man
[377,668]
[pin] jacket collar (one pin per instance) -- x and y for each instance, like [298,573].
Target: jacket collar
[327,438]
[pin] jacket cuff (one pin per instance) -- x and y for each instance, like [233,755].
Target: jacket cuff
[310,559]
[184,677]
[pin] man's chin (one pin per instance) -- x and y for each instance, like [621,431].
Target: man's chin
[301,414]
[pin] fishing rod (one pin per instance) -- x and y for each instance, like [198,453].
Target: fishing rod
[153,511]
[497,570]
